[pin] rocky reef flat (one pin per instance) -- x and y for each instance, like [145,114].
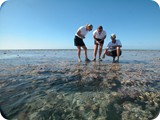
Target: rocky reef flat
[48,85]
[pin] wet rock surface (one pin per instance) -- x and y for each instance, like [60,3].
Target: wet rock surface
[49,89]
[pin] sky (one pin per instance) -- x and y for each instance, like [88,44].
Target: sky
[52,24]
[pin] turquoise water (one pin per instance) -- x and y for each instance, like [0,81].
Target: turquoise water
[52,85]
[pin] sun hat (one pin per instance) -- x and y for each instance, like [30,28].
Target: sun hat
[113,36]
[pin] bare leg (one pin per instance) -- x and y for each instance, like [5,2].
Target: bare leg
[113,59]
[85,51]
[95,51]
[105,53]
[118,53]
[79,53]
[100,50]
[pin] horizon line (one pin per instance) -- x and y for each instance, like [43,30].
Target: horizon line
[70,49]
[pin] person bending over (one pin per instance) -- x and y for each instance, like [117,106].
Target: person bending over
[78,40]
[99,36]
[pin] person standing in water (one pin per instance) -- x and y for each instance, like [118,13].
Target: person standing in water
[78,40]
[99,36]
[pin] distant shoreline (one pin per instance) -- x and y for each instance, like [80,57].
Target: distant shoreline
[73,49]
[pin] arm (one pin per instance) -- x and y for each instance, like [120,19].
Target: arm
[79,34]
[104,35]
[118,44]
[96,39]
[103,38]
[114,47]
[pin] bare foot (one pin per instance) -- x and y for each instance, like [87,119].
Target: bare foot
[79,60]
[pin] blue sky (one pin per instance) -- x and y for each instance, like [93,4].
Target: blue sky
[51,24]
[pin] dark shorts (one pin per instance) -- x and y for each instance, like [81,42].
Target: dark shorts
[98,40]
[114,53]
[78,41]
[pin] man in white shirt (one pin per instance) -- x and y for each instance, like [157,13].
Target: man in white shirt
[99,36]
[78,40]
[113,48]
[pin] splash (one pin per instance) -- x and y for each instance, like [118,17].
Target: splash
[158,2]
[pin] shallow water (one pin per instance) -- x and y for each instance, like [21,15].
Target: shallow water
[52,85]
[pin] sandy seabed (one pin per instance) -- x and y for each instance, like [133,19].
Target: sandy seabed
[52,85]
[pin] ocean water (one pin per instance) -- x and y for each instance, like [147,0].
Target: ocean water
[52,85]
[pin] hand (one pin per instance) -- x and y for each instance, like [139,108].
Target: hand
[113,47]
[98,42]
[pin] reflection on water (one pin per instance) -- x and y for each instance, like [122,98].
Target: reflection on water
[47,85]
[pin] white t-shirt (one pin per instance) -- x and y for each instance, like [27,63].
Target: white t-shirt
[110,44]
[83,31]
[99,36]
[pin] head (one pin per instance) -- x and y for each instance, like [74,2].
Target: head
[100,29]
[113,36]
[89,27]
